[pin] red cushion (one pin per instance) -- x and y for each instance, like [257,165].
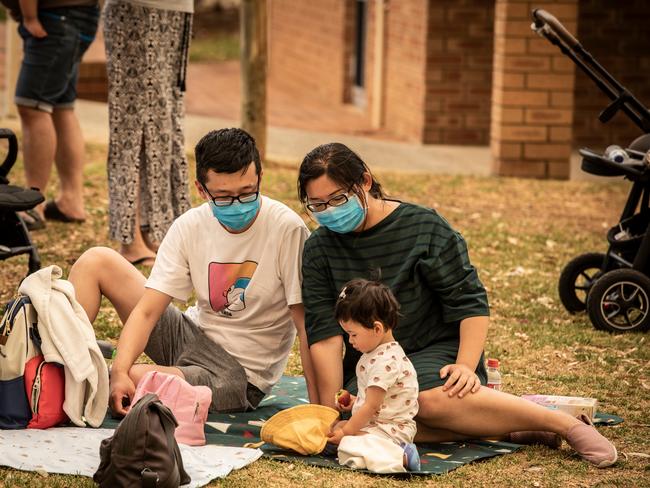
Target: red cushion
[50,395]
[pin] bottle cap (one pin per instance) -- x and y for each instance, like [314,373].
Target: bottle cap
[493,363]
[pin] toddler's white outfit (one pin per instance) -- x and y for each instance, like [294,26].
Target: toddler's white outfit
[388,368]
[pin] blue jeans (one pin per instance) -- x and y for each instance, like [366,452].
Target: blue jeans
[50,68]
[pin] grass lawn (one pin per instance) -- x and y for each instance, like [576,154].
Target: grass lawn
[215,35]
[520,234]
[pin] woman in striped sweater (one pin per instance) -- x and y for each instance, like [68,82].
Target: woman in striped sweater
[444,309]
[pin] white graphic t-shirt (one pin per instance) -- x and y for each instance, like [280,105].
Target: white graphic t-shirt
[387,367]
[244,283]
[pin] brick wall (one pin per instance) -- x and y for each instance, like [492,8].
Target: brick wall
[93,81]
[619,39]
[459,72]
[307,47]
[405,62]
[532,111]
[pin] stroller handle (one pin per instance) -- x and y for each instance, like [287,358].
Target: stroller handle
[10,159]
[543,18]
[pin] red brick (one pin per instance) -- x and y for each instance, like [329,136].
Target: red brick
[550,81]
[518,28]
[561,134]
[559,170]
[539,45]
[547,151]
[562,64]
[566,13]
[562,99]
[508,80]
[509,115]
[521,169]
[527,64]
[550,116]
[506,150]
[515,11]
[515,46]
[464,136]
[523,133]
[525,98]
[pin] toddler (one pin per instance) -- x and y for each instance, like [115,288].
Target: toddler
[379,434]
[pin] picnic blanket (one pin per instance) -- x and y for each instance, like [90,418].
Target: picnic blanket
[238,429]
[55,449]
[75,450]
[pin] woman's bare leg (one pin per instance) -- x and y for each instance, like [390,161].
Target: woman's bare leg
[103,271]
[486,413]
[430,435]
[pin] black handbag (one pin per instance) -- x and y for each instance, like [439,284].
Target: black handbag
[143,451]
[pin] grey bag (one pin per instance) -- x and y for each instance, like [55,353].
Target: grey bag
[143,451]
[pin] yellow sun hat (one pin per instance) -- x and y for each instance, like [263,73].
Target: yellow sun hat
[302,428]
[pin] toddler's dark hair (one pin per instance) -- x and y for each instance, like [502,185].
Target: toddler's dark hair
[365,302]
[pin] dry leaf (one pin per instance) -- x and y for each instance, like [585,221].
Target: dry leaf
[639,454]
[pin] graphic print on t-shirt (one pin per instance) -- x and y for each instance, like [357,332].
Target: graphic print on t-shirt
[227,284]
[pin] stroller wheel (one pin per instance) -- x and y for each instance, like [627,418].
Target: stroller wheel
[620,301]
[577,278]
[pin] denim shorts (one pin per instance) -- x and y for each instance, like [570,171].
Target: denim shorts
[50,68]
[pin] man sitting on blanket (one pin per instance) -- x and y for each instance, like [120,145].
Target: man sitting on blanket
[241,253]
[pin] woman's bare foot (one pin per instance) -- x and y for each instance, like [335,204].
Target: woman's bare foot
[152,245]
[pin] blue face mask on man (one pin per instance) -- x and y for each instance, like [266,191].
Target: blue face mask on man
[237,215]
[343,218]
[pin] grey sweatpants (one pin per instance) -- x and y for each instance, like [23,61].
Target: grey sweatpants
[178,341]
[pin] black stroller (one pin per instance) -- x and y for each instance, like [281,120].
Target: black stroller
[14,236]
[613,287]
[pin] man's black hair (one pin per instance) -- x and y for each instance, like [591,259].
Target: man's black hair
[225,151]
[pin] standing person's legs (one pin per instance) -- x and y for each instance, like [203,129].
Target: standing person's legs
[39,146]
[79,27]
[164,193]
[69,160]
[124,27]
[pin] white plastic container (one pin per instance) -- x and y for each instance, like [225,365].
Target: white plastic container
[493,374]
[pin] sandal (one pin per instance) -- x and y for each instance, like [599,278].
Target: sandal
[52,212]
[32,219]
[144,261]
[591,444]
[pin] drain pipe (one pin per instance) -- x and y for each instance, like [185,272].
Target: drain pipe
[377,109]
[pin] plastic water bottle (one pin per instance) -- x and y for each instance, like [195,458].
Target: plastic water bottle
[616,154]
[493,375]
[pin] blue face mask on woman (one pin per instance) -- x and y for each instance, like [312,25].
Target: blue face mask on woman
[237,215]
[344,218]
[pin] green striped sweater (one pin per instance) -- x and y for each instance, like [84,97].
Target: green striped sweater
[415,252]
